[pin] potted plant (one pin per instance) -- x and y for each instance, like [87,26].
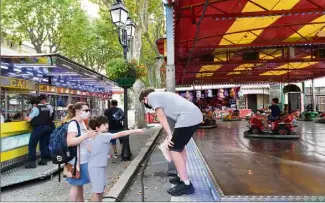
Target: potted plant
[124,73]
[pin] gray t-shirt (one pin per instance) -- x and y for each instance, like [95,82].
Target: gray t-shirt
[184,112]
[100,146]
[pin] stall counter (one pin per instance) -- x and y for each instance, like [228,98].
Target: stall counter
[14,140]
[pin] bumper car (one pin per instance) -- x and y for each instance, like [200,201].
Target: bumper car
[321,118]
[308,116]
[279,129]
[249,116]
[208,122]
[232,116]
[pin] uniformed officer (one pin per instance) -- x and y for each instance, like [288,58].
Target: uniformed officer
[42,124]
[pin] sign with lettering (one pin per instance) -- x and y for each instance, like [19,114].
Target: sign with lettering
[47,88]
[17,83]
[62,90]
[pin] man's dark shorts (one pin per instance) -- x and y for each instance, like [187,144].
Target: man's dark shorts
[113,141]
[181,136]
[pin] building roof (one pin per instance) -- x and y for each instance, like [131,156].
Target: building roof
[55,69]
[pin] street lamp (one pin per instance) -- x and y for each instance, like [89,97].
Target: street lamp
[126,30]
[130,28]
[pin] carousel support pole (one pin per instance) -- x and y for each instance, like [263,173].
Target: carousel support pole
[313,102]
[263,99]
[303,96]
[170,69]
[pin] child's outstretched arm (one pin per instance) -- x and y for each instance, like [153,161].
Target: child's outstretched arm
[126,132]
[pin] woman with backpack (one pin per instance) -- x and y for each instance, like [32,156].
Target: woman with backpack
[80,112]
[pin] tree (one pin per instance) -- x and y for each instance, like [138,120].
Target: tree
[92,44]
[148,16]
[39,21]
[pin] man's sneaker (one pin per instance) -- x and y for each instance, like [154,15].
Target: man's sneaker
[30,165]
[42,162]
[181,189]
[175,180]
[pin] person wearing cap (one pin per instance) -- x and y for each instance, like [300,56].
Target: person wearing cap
[187,118]
[41,121]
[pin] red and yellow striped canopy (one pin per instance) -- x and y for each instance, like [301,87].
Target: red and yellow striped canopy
[248,41]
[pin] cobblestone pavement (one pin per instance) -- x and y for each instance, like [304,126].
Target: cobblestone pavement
[53,190]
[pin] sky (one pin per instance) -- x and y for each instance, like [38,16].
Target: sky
[91,8]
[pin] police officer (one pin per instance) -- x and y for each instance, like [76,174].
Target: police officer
[40,119]
[43,101]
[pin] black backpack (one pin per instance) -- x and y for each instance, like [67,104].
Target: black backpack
[115,117]
[60,151]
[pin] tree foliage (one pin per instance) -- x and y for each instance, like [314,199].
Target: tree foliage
[61,26]
[92,44]
[39,21]
[150,21]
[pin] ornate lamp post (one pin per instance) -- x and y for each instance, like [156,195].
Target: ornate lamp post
[126,29]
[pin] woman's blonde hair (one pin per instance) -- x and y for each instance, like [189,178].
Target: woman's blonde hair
[70,113]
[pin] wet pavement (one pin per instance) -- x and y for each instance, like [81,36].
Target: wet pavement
[244,166]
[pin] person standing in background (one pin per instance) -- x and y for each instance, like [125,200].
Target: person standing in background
[115,117]
[42,128]
[43,100]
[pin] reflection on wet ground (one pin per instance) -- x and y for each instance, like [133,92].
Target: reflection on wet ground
[264,166]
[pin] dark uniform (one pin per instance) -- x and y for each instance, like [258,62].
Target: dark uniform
[42,129]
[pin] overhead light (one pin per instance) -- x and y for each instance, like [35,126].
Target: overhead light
[17,70]
[36,78]
[82,79]
[45,80]
[62,74]
[34,65]
[4,67]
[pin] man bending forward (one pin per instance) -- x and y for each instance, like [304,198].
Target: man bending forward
[187,119]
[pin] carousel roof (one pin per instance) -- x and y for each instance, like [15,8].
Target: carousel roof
[248,41]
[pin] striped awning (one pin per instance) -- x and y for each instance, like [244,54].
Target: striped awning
[248,41]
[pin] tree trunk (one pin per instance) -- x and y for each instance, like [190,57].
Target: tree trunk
[151,76]
[139,111]
[137,45]
[158,63]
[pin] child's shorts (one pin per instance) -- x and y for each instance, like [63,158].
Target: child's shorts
[98,179]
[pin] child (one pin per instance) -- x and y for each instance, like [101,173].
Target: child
[99,150]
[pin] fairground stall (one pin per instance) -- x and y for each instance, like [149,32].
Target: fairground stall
[63,81]
[244,42]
